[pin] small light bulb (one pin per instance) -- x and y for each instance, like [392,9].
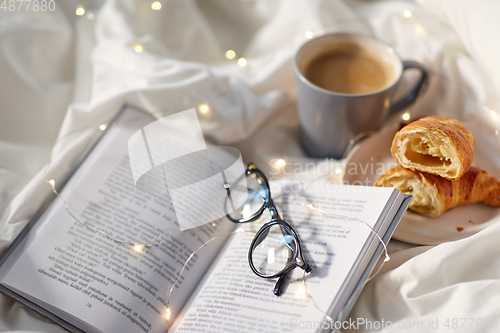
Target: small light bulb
[494,115]
[204,108]
[138,48]
[242,62]
[138,248]
[407,13]
[80,11]
[338,171]
[309,35]
[300,291]
[52,182]
[406,116]
[387,258]
[156,5]
[281,162]
[102,127]
[230,54]
[168,313]
[240,230]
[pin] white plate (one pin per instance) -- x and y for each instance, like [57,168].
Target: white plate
[372,158]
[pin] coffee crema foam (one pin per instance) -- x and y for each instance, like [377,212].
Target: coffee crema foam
[349,69]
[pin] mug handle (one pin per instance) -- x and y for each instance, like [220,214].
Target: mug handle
[412,95]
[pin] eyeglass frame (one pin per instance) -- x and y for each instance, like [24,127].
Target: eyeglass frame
[298,259]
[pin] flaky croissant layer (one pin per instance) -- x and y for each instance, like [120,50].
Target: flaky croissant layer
[438,145]
[433,195]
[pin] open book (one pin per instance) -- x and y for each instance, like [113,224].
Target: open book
[87,282]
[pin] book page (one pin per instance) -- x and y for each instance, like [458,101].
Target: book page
[83,276]
[233,299]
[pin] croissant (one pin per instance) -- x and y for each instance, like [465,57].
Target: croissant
[438,145]
[433,195]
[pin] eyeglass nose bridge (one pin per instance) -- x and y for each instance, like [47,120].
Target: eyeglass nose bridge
[272,209]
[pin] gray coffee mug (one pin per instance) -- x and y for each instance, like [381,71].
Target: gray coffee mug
[330,120]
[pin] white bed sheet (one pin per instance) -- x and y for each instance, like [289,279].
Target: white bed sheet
[62,72]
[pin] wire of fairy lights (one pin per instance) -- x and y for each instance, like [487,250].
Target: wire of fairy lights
[140,246]
[137,245]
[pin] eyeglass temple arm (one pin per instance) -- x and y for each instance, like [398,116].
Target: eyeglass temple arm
[280,285]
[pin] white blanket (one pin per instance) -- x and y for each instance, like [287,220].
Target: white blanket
[63,73]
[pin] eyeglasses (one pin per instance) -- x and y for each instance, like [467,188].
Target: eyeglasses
[275,250]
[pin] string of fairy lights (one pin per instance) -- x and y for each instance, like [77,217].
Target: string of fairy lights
[229,54]
[205,109]
[140,247]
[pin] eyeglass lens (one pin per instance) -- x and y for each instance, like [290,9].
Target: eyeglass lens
[249,193]
[274,250]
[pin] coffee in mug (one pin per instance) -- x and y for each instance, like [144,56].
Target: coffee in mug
[349,69]
[345,84]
